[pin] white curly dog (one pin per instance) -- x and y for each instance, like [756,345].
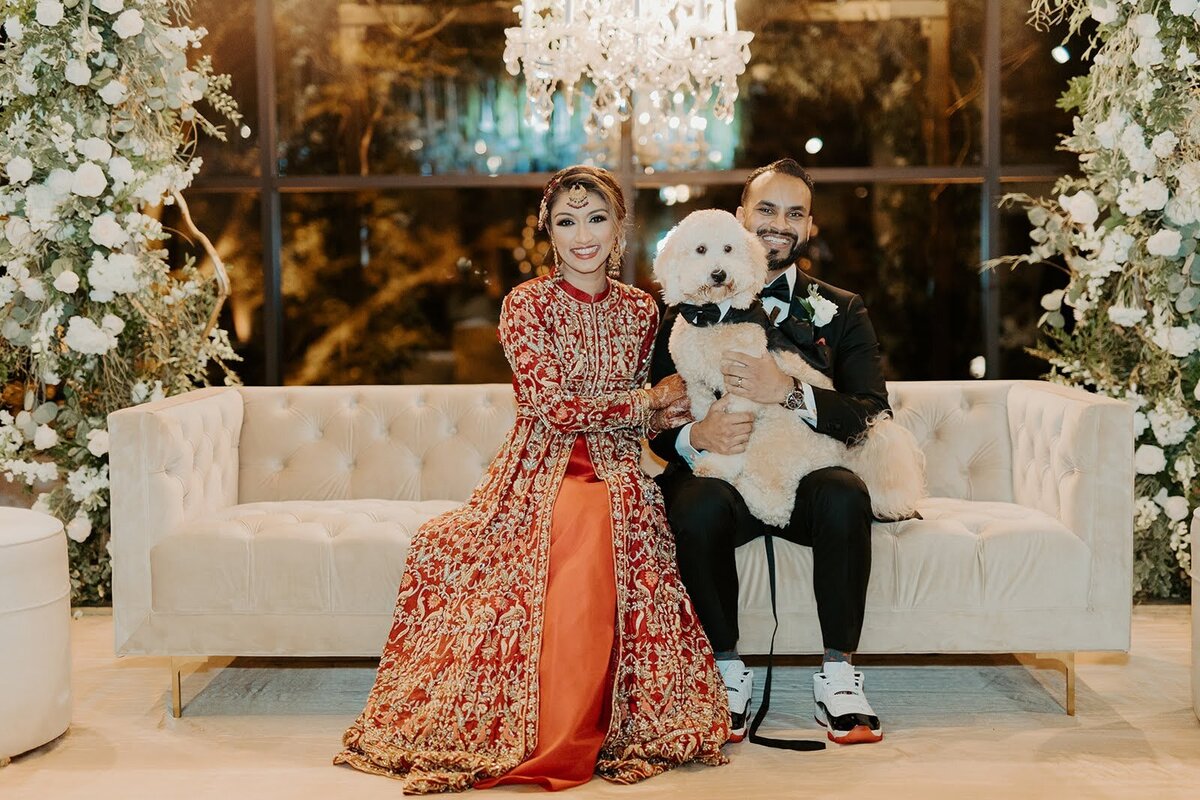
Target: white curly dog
[710,258]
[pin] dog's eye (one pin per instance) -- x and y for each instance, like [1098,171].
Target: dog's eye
[701,249]
[728,248]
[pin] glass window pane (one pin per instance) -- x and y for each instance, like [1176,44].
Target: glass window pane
[386,88]
[911,252]
[1021,291]
[849,84]
[1036,68]
[230,42]
[403,287]
[232,223]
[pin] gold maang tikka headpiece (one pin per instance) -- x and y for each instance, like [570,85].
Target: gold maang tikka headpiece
[577,196]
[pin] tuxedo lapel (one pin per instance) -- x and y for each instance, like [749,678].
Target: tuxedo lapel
[797,329]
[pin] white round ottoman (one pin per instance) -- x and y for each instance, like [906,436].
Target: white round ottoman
[35,618]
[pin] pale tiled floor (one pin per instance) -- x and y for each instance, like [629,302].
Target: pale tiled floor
[991,728]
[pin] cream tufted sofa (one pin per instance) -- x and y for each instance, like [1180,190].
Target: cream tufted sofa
[275,520]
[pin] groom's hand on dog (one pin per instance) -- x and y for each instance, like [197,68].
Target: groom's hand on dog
[758,379]
[721,431]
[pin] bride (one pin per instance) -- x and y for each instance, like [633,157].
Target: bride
[542,633]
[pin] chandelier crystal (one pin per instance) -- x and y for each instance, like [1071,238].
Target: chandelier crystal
[638,55]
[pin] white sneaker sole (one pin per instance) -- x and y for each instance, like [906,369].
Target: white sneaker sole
[859,734]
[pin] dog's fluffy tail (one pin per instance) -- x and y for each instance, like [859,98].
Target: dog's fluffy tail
[891,463]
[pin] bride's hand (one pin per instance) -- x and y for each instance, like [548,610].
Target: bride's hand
[669,391]
[673,416]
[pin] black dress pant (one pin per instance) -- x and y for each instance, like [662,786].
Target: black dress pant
[832,515]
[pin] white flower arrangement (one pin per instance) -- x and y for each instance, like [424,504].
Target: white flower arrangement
[98,115]
[1126,231]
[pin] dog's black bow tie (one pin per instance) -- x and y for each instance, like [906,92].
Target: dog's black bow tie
[779,290]
[701,316]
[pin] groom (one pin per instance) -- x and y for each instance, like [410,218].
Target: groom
[832,514]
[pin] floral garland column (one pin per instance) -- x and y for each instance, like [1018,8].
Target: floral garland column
[98,119]
[1125,232]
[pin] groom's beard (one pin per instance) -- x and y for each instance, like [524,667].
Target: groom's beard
[780,259]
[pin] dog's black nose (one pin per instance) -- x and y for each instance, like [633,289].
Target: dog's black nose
[718,276]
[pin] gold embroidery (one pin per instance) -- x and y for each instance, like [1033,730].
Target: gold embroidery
[456,696]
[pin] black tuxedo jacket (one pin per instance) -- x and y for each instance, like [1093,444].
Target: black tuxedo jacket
[845,349]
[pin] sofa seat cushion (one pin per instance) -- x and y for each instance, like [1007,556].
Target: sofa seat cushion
[964,555]
[289,557]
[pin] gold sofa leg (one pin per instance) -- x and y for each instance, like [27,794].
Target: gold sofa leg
[176,691]
[1068,662]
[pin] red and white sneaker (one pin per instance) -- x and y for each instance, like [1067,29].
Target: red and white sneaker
[739,682]
[842,708]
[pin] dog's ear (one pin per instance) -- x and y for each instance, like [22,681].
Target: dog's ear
[666,266]
[756,252]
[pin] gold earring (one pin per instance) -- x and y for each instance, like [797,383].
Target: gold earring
[615,258]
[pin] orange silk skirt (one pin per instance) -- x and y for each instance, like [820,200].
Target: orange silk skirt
[574,673]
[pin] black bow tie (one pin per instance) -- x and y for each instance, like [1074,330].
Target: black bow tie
[701,316]
[779,290]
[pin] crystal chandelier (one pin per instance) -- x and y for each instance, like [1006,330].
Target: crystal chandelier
[641,55]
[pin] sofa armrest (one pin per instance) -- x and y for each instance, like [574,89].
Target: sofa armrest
[169,461]
[1073,459]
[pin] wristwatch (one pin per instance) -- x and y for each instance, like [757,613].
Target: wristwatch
[795,398]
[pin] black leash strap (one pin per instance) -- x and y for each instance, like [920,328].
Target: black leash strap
[782,744]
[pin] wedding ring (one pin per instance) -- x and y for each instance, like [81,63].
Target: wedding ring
[739,383]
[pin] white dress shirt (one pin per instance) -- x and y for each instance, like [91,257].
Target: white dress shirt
[777,310]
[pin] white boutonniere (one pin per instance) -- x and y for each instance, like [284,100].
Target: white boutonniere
[819,308]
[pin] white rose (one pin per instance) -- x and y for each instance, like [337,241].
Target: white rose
[1184,8]
[1182,342]
[111,276]
[33,289]
[67,282]
[107,232]
[45,437]
[97,442]
[1125,316]
[1104,11]
[1149,460]
[113,92]
[1164,243]
[129,23]
[14,29]
[1154,194]
[1164,144]
[1081,206]
[89,180]
[18,232]
[19,170]
[77,72]
[823,310]
[113,324]
[94,149]
[85,336]
[80,527]
[59,182]
[49,13]
[1149,52]
[1145,25]
[1184,57]
[120,169]
[1176,507]
[109,6]
[1140,423]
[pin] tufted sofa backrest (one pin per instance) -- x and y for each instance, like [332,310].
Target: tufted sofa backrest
[963,429]
[433,442]
[354,442]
